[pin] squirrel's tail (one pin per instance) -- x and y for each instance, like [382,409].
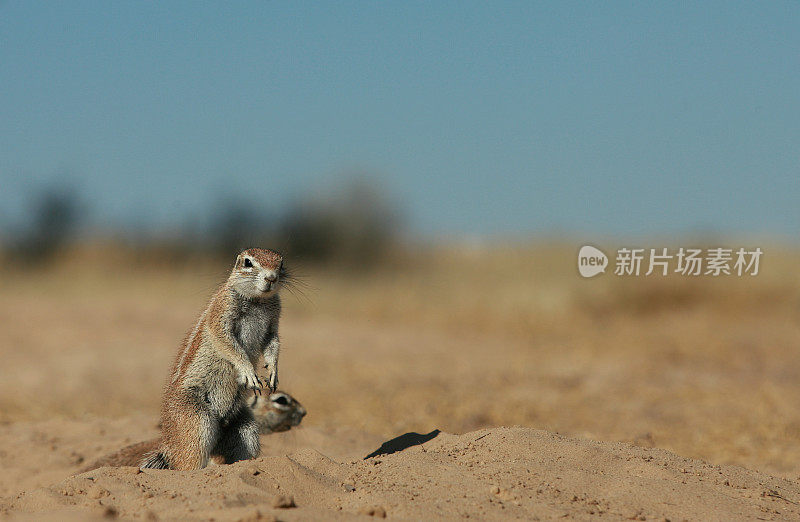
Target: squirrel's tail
[154,460]
[128,456]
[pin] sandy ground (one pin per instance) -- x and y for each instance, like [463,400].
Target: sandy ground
[704,370]
[497,473]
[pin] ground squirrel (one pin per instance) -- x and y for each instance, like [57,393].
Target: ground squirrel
[278,412]
[204,408]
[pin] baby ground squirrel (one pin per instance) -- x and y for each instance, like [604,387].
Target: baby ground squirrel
[204,410]
[278,412]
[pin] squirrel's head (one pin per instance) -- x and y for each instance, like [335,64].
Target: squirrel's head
[258,273]
[278,412]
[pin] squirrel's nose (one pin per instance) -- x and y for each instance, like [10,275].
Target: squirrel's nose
[272,277]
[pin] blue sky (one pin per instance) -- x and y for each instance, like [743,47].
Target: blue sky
[513,118]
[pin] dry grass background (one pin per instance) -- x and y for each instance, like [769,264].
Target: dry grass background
[455,339]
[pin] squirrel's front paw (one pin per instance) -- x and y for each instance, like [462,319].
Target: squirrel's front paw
[272,377]
[249,379]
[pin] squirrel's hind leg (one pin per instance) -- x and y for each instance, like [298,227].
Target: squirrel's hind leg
[186,442]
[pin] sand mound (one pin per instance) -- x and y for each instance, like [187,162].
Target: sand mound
[487,474]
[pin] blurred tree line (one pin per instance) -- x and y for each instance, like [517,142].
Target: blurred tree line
[355,225]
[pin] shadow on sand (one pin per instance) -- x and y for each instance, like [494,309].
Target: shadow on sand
[402,442]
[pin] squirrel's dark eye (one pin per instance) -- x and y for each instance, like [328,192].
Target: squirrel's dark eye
[247,262]
[281,400]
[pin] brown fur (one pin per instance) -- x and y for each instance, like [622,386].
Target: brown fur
[127,456]
[203,409]
[270,413]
